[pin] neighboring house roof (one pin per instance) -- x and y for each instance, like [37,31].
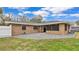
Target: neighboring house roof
[74,28]
[37,24]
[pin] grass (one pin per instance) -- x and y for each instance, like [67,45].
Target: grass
[16,44]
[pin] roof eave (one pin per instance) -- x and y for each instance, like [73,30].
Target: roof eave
[36,24]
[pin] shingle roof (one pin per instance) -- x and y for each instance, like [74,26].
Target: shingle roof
[37,24]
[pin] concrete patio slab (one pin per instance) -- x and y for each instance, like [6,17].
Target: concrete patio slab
[44,36]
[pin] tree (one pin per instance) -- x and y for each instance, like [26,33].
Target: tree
[7,18]
[23,19]
[1,16]
[37,19]
[2,20]
[77,22]
[1,11]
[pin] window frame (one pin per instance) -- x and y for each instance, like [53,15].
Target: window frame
[55,27]
[23,27]
[35,27]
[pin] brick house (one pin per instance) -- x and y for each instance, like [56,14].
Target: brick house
[49,27]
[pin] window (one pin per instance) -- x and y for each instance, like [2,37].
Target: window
[23,27]
[35,27]
[48,27]
[55,27]
[65,27]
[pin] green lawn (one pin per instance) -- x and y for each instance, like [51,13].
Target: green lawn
[13,44]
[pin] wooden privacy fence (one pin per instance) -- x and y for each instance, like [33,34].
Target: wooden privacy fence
[5,31]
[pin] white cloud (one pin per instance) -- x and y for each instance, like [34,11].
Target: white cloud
[59,14]
[20,14]
[16,7]
[74,15]
[44,19]
[56,9]
[19,8]
[46,8]
[26,12]
[6,15]
[9,14]
[42,13]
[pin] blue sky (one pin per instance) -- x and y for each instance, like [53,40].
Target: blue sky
[48,13]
